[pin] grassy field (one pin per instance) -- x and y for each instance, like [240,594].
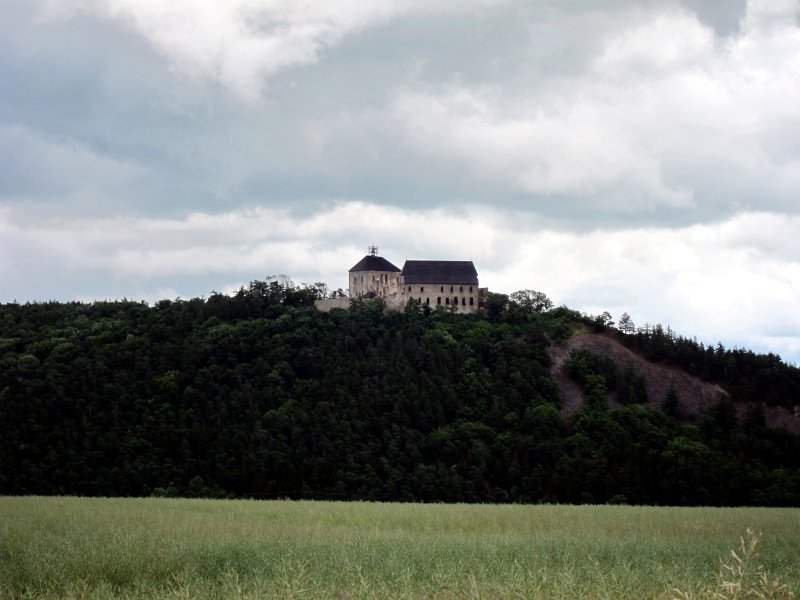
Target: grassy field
[164,548]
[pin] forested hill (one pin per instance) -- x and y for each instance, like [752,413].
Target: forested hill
[260,395]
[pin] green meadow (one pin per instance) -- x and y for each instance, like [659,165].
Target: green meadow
[57,547]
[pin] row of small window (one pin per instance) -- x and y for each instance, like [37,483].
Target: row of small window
[447,301]
[378,278]
[441,289]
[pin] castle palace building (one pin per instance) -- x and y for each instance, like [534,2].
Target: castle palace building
[441,282]
[448,283]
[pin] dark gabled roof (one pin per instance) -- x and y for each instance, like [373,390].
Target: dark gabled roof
[440,271]
[374,263]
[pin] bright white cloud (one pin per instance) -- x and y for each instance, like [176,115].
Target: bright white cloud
[665,41]
[241,43]
[577,148]
[237,43]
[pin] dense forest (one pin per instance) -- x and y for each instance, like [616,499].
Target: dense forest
[257,394]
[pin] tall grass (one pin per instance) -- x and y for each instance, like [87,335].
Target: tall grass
[166,548]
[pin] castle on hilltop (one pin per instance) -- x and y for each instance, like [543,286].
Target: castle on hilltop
[449,283]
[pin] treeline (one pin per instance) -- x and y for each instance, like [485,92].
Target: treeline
[259,395]
[762,379]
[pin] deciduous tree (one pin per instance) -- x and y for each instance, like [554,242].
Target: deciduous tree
[530,301]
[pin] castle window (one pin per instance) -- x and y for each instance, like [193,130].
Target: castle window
[470,301]
[421,289]
[451,288]
[463,301]
[455,300]
[427,301]
[447,301]
[470,289]
[461,288]
[409,288]
[441,289]
[439,300]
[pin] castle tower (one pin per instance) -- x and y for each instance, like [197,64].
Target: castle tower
[373,276]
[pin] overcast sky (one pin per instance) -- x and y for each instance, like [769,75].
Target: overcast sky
[616,155]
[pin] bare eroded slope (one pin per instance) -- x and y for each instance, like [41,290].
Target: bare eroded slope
[695,396]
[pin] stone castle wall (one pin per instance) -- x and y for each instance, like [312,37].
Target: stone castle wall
[328,304]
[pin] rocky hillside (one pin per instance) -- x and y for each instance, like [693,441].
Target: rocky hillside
[694,395]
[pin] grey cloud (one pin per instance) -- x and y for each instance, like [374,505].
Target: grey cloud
[724,16]
[56,168]
[335,130]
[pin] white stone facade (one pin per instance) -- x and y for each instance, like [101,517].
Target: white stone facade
[464,297]
[379,283]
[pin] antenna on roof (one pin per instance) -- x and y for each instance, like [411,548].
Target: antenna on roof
[373,250]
